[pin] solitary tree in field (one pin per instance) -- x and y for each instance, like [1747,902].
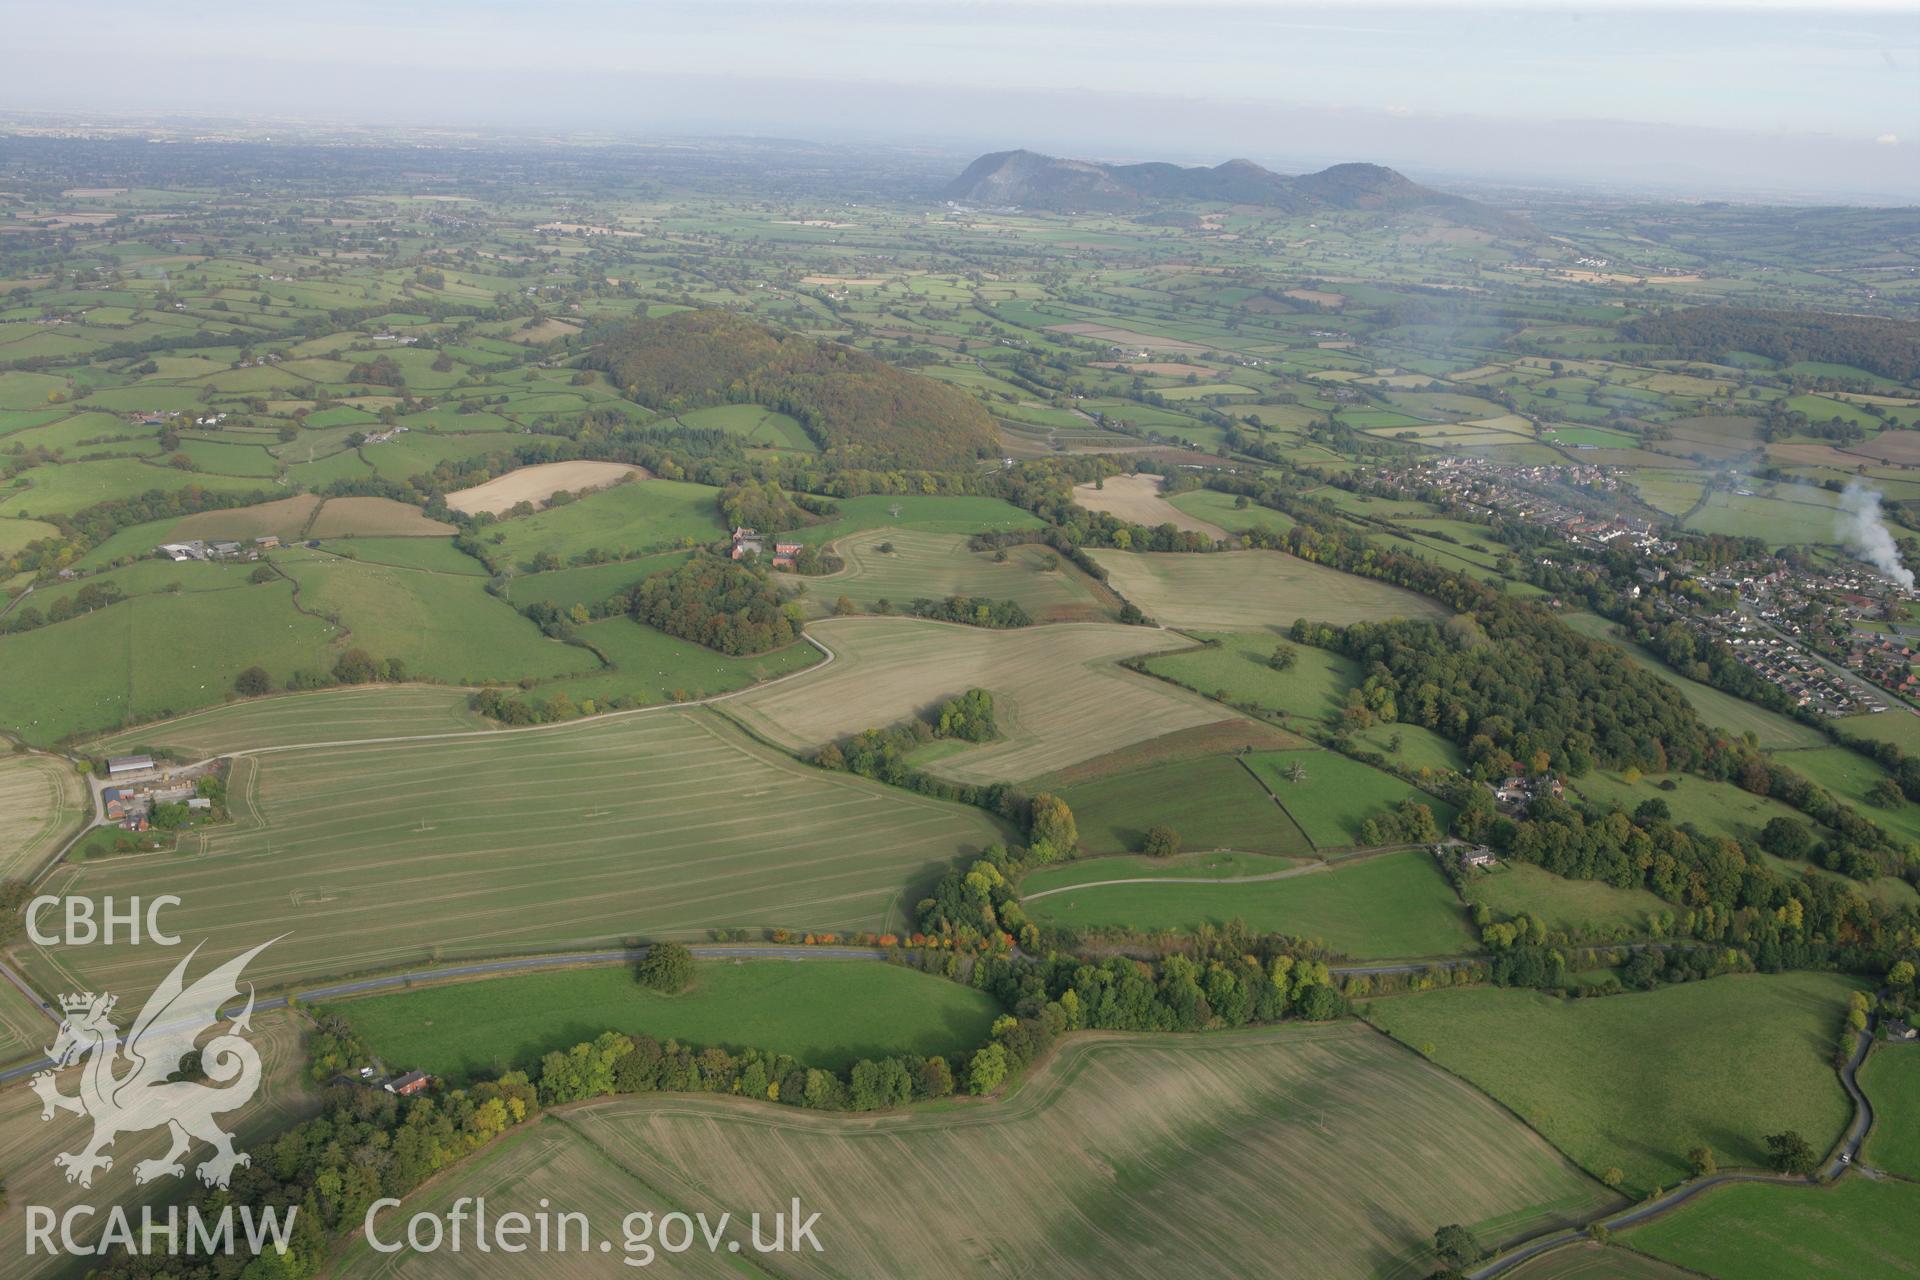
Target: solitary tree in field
[1284,656]
[1456,1244]
[1702,1161]
[1051,832]
[667,966]
[1296,773]
[1788,1152]
[1162,841]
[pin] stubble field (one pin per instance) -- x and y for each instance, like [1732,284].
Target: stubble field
[1324,1146]
[43,802]
[32,1177]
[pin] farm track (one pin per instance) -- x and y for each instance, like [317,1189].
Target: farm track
[1329,864]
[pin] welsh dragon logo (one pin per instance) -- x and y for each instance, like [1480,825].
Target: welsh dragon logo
[125,1085]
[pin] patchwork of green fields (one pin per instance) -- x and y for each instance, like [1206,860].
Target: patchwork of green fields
[152,342]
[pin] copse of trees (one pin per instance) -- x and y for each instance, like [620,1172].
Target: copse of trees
[1890,348]
[718,603]
[762,505]
[881,754]
[1519,691]
[861,411]
[1725,890]
[667,967]
[1410,822]
[381,371]
[967,717]
[364,1145]
[974,611]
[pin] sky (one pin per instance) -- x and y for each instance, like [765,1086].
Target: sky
[1708,98]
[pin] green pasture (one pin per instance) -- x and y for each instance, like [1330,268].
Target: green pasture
[1393,906]
[1213,802]
[1855,1228]
[1636,1081]
[1336,795]
[824,1013]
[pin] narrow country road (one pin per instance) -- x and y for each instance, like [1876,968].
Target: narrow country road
[1842,1160]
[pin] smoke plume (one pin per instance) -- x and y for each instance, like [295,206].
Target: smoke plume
[1867,536]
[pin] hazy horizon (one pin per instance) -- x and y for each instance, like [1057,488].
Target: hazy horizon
[1706,100]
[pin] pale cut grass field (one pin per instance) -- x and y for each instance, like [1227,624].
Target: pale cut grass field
[296,719]
[1059,697]
[1241,589]
[42,802]
[661,824]
[539,482]
[1124,1156]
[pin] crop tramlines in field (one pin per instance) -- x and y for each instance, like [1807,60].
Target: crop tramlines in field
[656,825]
[295,719]
[1310,1151]
[44,802]
[285,1098]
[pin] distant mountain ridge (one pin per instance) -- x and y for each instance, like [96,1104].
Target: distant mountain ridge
[1034,181]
